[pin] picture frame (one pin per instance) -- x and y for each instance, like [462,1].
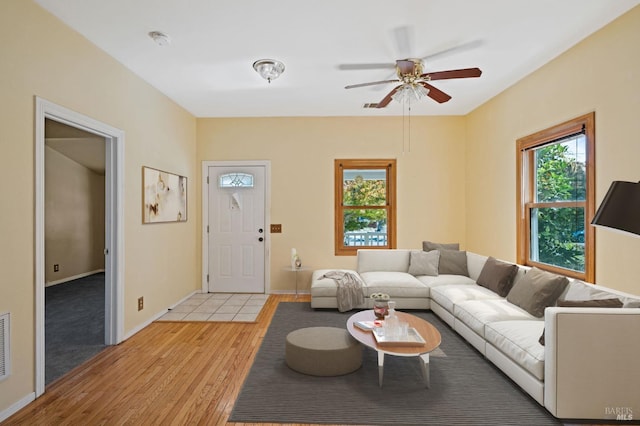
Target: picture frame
[164,196]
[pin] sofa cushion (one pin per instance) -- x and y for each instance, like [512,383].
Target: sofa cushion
[477,313]
[579,290]
[449,295]
[444,280]
[325,287]
[537,290]
[395,284]
[475,263]
[424,263]
[393,260]
[518,340]
[497,276]
[428,246]
[631,303]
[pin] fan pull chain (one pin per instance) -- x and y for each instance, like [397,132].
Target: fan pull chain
[406,126]
[409,142]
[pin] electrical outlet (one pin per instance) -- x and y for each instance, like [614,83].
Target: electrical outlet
[56,267]
[276,228]
[140,303]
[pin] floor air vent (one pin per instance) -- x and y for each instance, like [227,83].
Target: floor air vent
[4,346]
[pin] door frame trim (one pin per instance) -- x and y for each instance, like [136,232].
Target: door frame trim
[114,225]
[267,216]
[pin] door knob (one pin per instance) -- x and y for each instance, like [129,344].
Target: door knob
[260,239]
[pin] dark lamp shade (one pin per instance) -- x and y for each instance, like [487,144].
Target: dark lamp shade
[620,209]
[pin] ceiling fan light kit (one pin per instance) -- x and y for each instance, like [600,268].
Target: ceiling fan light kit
[269,69]
[414,82]
[410,92]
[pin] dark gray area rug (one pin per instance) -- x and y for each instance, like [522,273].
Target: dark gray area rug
[74,324]
[465,388]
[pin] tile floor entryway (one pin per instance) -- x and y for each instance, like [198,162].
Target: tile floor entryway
[218,307]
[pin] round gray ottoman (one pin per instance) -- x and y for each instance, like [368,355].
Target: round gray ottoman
[323,351]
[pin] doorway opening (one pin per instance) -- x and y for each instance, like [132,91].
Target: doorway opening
[113,250]
[74,247]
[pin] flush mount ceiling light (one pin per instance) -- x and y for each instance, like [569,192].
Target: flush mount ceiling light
[160,38]
[268,69]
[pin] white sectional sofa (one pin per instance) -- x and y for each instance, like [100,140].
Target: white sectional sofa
[589,365]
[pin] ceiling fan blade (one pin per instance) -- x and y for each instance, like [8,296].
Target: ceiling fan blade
[403,38]
[435,94]
[385,101]
[459,48]
[405,66]
[381,87]
[351,67]
[373,83]
[444,75]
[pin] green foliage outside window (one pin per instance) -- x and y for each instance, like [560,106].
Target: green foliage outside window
[559,176]
[364,193]
[560,231]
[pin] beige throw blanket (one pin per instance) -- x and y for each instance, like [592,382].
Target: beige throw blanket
[349,293]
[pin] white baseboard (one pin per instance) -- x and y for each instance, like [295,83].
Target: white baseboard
[141,326]
[300,292]
[14,408]
[73,277]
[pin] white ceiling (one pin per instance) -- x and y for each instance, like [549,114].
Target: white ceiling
[207,68]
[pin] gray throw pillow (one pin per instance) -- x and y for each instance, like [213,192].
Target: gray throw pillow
[537,290]
[497,276]
[453,262]
[428,246]
[424,263]
[594,303]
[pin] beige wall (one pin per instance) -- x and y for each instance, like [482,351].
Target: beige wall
[600,74]
[431,177]
[42,57]
[74,218]
[440,195]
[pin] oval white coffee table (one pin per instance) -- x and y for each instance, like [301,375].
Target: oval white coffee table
[428,332]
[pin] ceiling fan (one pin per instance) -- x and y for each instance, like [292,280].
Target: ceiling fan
[414,82]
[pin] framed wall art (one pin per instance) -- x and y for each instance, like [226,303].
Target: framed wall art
[164,196]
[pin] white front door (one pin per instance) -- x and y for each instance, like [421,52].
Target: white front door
[237,230]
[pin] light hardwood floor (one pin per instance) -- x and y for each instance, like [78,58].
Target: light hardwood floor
[174,373]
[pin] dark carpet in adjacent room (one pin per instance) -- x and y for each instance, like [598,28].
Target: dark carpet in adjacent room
[74,324]
[465,388]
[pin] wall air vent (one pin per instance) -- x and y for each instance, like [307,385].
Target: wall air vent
[370,105]
[4,346]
